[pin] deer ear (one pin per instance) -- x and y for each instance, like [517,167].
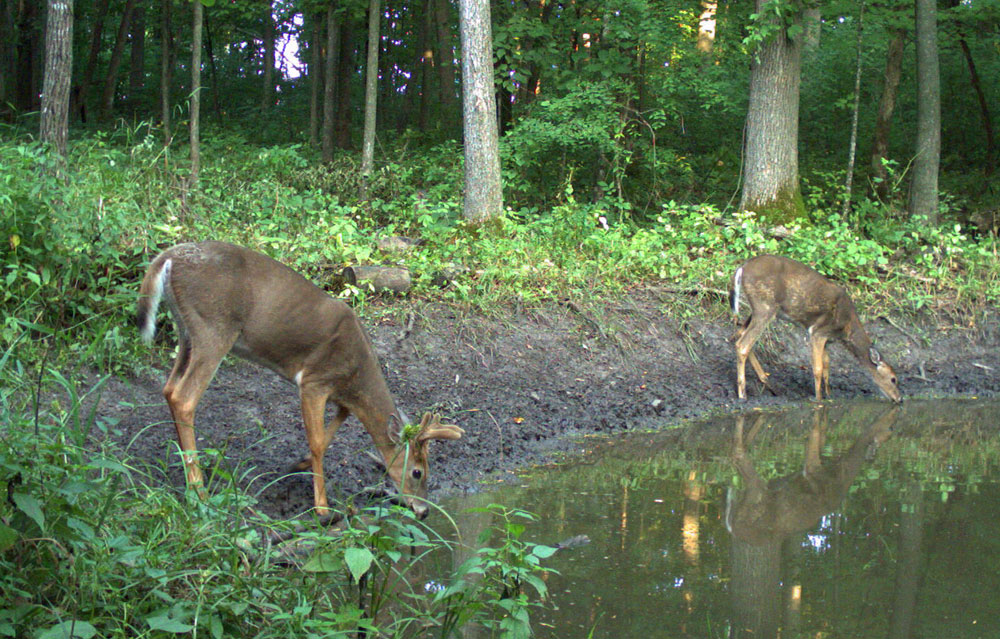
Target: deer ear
[874,356]
[395,428]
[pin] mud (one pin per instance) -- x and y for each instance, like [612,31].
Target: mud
[526,385]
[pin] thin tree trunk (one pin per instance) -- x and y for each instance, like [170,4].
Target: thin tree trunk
[267,95]
[330,79]
[216,109]
[166,69]
[886,105]
[111,79]
[984,107]
[137,66]
[424,58]
[58,69]
[196,22]
[346,72]
[315,78]
[483,191]
[771,162]
[95,49]
[924,187]
[852,146]
[444,56]
[706,26]
[371,96]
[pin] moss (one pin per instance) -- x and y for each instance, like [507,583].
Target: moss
[786,207]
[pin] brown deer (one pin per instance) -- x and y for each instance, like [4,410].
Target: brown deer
[773,285]
[228,298]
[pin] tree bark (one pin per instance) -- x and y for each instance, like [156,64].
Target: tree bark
[111,77]
[95,48]
[58,69]
[924,187]
[984,107]
[315,78]
[444,56]
[812,18]
[137,59]
[853,144]
[371,96]
[346,70]
[706,26]
[771,161]
[166,69]
[267,95]
[483,192]
[883,121]
[196,22]
[330,81]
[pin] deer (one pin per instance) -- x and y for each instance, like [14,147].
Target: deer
[229,299]
[773,285]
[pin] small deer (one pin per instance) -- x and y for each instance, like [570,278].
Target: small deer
[227,298]
[772,285]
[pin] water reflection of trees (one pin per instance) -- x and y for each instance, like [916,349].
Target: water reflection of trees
[763,517]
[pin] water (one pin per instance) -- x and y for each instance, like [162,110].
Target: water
[823,522]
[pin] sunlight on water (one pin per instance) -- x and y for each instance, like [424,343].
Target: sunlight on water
[849,520]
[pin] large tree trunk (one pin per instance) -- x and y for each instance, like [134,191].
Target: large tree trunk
[924,187]
[771,162]
[166,69]
[267,95]
[883,121]
[812,18]
[371,96]
[483,192]
[95,49]
[58,69]
[111,77]
[330,81]
[196,22]
[137,66]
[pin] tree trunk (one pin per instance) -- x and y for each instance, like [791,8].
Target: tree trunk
[812,18]
[483,192]
[883,121]
[166,69]
[216,109]
[771,162]
[346,70]
[95,49]
[706,26]
[111,77]
[330,81]
[984,107]
[424,59]
[137,67]
[444,55]
[371,96]
[29,50]
[853,144]
[315,78]
[267,95]
[196,22]
[924,187]
[58,69]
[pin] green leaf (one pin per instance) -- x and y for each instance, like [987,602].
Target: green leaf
[7,537]
[323,561]
[166,623]
[31,507]
[358,560]
[73,629]
[543,552]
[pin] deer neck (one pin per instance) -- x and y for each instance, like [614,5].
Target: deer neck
[858,343]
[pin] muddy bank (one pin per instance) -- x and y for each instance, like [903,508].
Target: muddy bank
[523,385]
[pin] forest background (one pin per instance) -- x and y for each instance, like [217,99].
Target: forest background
[640,144]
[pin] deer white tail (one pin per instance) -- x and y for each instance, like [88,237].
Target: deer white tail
[149,304]
[734,293]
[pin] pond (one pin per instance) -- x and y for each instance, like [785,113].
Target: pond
[842,520]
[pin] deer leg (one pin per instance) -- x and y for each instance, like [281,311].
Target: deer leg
[331,429]
[826,372]
[193,371]
[313,407]
[820,361]
[745,339]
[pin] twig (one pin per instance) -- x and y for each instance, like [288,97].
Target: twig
[899,328]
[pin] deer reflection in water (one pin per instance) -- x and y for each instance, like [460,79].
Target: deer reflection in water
[762,516]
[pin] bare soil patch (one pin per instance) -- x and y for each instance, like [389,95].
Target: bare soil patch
[526,385]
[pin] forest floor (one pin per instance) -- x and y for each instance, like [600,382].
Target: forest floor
[526,385]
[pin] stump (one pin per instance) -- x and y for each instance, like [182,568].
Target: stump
[381,278]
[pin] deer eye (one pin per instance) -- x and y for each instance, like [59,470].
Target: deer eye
[417,474]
